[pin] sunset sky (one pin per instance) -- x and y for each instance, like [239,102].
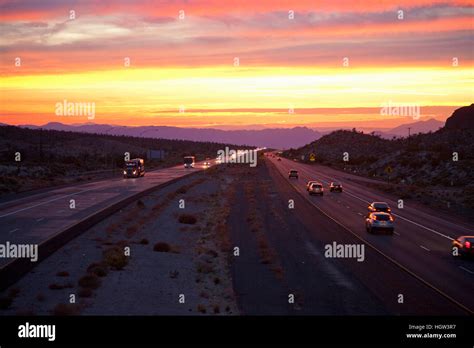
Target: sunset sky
[182,55]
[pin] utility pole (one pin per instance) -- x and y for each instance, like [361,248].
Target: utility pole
[41,144]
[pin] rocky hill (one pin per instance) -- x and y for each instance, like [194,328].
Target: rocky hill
[462,118]
[439,163]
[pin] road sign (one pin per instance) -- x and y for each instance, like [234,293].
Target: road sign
[312,157]
[388,170]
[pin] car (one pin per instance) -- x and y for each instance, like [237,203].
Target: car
[379,221]
[309,183]
[335,187]
[465,246]
[379,206]
[207,164]
[293,174]
[316,189]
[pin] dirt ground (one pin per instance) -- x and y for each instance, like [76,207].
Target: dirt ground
[155,257]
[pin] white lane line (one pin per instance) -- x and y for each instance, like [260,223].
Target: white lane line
[404,218]
[40,219]
[348,207]
[423,247]
[43,203]
[360,214]
[16,229]
[401,217]
[465,269]
[385,255]
[396,233]
[426,228]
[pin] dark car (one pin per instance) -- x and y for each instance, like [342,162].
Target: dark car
[465,245]
[379,206]
[293,174]
[335,187]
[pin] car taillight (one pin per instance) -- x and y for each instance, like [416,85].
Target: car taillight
[391,218]
[467,244]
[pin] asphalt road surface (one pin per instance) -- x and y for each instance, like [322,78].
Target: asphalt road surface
[35,218]
[421,244]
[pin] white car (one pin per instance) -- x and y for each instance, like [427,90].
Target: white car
[309,183]
[379,221]
[316,189]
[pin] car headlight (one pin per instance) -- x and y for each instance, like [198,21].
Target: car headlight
[125,172]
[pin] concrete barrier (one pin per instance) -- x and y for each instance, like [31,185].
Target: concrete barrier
[14,270]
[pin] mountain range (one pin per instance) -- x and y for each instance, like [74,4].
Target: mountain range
[278,138]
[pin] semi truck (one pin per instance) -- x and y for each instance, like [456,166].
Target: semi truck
[134,168]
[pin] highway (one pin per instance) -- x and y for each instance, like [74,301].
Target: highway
[421,244]
[35,218]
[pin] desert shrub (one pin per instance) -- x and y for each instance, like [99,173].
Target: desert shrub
[99,269]
[85,292]
[65,309]
[162,247]
[187,219]
[90,281]
[62,274]
[115,258]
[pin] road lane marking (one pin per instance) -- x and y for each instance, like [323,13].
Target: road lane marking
[404,218]
[360,214]
[465,269]
[40,219]
[396,233]
[401,217]
[407,270]
[16,229]
[43,203]
[423,247]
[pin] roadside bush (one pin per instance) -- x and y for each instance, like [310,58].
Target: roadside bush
[115,258]
[162,247]
[187,219]
[99,269]
[90,281]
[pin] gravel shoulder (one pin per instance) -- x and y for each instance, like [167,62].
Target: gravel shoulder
[161,255]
